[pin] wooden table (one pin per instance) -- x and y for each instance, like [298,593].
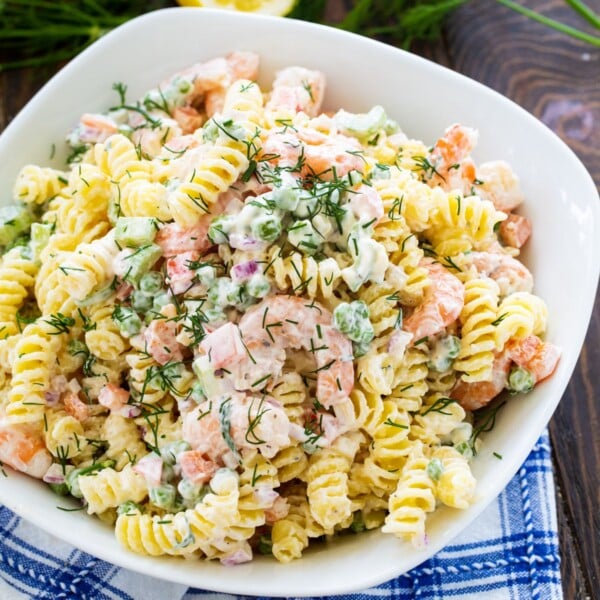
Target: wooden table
[558,80]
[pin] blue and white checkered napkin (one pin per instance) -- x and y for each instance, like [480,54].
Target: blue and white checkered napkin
[510,552]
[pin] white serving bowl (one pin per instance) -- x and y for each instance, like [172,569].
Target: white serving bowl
[563,253]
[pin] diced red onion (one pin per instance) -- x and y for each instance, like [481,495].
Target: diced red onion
[238,557]
[52,398]
[243,271]
[54,474]
[130,412]
[243,242]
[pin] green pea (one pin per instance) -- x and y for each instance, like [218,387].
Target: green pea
[151,283]
[266,228]
[286,198]
[520,381]
[141,302]
[163,496]
[218,230]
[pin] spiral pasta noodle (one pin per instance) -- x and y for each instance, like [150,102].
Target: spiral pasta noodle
[478,330]
[412,499]
[109,489]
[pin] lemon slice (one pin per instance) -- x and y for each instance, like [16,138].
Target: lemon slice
[265,7]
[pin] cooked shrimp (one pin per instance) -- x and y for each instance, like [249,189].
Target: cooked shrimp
[280,322]
[510,274]
[452,167]
[367,205]
[442,303]
[180,276]
[475,395]
[197,467]
[532,354]
[500,185]
[321,155]
[23,448]
[175,240]
[218,429]
[161,337]
[75,407]
[299,90]
[515,230]
[113,397]
[94,128]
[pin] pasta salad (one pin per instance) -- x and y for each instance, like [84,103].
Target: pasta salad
[236,323]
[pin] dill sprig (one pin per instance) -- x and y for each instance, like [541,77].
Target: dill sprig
[41,32]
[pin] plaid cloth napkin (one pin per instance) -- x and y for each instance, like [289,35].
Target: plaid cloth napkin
[510,552]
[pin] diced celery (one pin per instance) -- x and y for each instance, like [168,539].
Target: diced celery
[15,219]
[141,261]
[40,234]
[135,231]
[435,468]
[361,125]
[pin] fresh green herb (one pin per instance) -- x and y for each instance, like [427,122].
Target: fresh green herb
[60,322]
[438,406]
[391,423]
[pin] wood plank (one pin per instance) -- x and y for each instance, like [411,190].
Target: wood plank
[573,581]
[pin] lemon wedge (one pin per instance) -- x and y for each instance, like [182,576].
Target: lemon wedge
[265,7]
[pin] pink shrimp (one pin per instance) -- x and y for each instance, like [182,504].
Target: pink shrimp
[179,274]
[515,230]
[442,303]
[324,156]
[367,205]
[281,322]
[161,337]
[500,185]
[239,421]
[299,90]
[450,158]
[475,395]
[175,240]
[75,407]
[532,354]
[22,447]
[196,466]
[113,397]
[211,79]
[188,118]
[95,128]
[510,274]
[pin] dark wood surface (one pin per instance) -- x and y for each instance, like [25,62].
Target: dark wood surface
[558,80]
